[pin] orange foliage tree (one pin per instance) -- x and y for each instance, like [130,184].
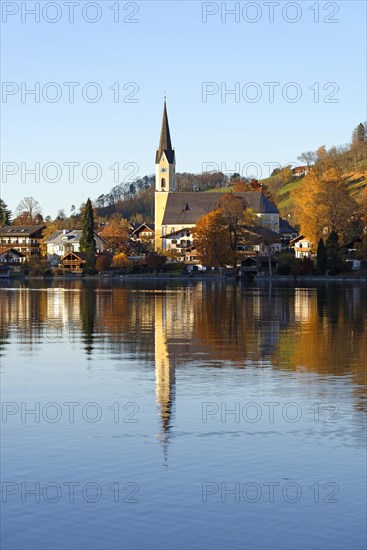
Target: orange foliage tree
[116,236]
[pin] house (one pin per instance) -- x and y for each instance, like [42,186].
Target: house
[11,256]
[178,242]
[300,171]
[22,238]
[302,247]
[176,211]
[67,240]
[74,262]
[142,232]
[261,241]
[287,232]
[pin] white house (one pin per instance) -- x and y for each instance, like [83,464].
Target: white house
[67,240]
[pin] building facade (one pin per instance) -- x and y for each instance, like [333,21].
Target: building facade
[22,238]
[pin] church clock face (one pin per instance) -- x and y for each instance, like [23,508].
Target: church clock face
[163,170]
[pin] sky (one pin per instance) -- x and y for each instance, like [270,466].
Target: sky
[100,70]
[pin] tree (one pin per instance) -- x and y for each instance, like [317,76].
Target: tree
[155,261]
[103,262]
[359,134]
[116,236]
[323,204]
[5,214]
[210,239]
[321,262]
[87,240]
[121,260]
[217,235]
[334,262]
[28,210]
[309,157]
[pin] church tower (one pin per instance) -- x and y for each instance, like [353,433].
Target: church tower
[165,163]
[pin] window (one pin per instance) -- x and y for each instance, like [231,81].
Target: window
[163,183]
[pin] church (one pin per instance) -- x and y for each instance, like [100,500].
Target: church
[176,213]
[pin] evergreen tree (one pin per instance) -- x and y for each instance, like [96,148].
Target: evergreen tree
[5,214]
[334,261]
[321,262]
[87,240]
[359,134]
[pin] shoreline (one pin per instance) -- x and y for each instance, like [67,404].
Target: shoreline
[197,277]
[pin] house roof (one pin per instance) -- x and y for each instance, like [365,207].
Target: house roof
[20,230]
[5,249]
[165,145]
[173,233]
[72,236]
[285,227]
[264,233]
[80,255]
[188,207]
[136,227]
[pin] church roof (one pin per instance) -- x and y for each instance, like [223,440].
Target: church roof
[187,208]
[165,145]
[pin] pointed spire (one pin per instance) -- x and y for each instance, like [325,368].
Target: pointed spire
[165,144]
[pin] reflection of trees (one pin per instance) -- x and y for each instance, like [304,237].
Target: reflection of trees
[322,330]
[87,317]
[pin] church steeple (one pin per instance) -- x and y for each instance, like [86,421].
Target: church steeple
[165,144]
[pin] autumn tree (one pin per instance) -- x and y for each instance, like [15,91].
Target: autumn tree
[155,261]
[217,235]
[103,262]
[28,211]
[210,239]
[116,236]
[323,204]
[87,240]
[5,214]
[121,260]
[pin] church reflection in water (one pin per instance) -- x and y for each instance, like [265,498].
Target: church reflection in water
[167,325]
[164,371]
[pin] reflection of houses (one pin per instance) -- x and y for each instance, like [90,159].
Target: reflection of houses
[11,256]
[67,240]
[302,247]
[23,238]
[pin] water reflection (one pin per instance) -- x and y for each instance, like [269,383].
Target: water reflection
[166,324]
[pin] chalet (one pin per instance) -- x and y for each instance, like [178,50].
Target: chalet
[11,256]
[74,262]
[22,238]
[142,232]
[67,240]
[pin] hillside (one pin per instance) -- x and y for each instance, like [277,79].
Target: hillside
[355,181]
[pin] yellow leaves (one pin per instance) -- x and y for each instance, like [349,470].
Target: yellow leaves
[120,260]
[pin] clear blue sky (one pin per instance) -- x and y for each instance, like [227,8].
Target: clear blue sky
[170,49]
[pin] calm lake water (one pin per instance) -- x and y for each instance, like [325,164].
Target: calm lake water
[166,415]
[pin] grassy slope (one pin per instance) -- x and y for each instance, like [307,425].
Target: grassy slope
[355,181]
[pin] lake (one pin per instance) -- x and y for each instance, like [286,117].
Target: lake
[175,415]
